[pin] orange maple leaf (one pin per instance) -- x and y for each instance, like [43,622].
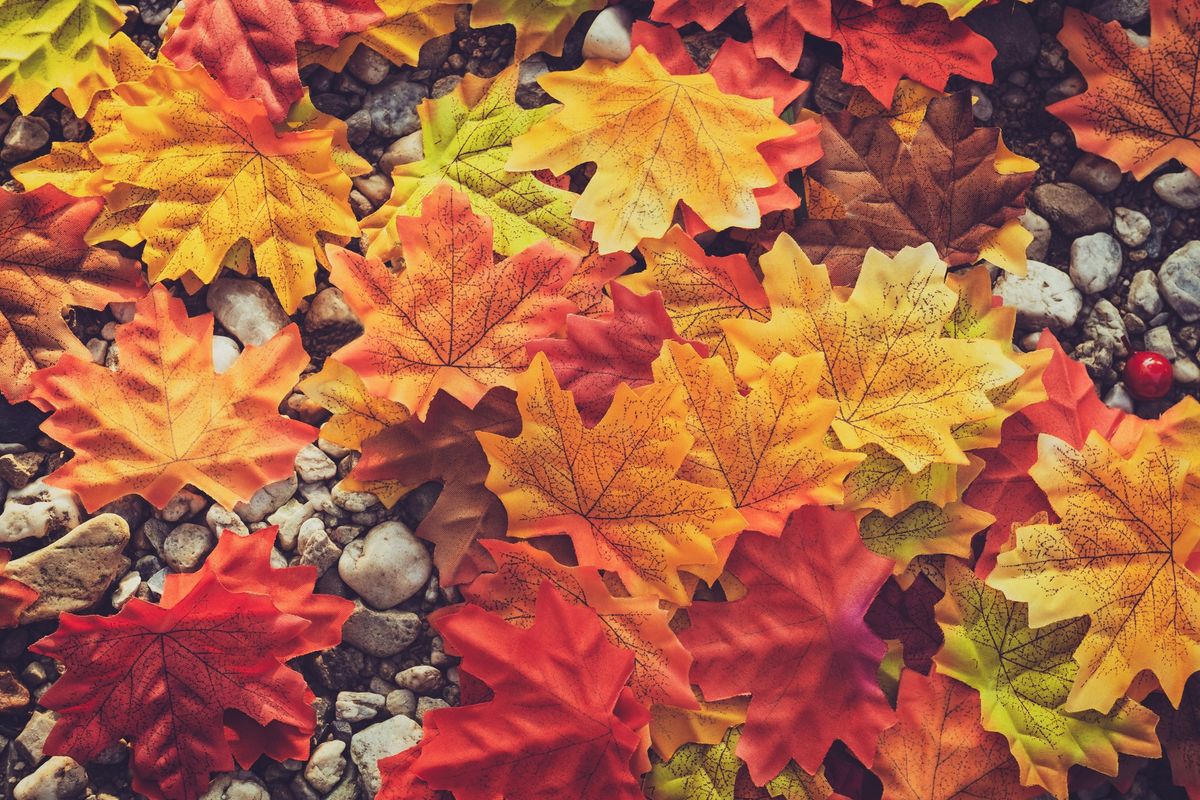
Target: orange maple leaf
[164,419]
[454,318]
[612,488]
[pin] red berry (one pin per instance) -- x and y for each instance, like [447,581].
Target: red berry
[1148,375]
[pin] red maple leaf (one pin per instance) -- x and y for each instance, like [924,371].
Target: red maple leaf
[797,643]
[561,721]
[249,46]
[600,353]
[1070,411]
[164,678]
[778,26]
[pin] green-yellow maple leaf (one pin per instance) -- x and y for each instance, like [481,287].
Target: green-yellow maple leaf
[468,140]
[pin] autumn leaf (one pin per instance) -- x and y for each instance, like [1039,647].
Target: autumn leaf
[163,678]
[405,27]
[1179,732]
[636,624]
[357,414]
[955,8]
[887,41]
[1139,109]
[906,616]
[1023,676]
[1119,557]
[714,772]
[443,447]
[613,488]
[44,267]
[586,286]
[923,529]
[601,354]
[60,44]
[672,727]
[766,448]
[657,139]
[249,46]
[900,383]
[699,291]
[777,28]
[943,187]
[454,318]
[541,26]
[164,419]
[223,175]
[551,729]
[937,750]
[796,643]
[468,138]
[15,596]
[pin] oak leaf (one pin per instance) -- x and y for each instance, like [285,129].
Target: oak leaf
[468,139]
[164,679]
[224,175]
[797,643]
[900,383]
[612,488]
[443,447]
[405,27]
[556,730]
[938,750]
[767,447]
[699,291]
[250,46]
[539,26]
[164,419]
[1139,109]
[778,28]
[1023,676]
[657,139]
[454,318]
[1118,557]
[15,596]
[60,44]
[44,267]
[637,624]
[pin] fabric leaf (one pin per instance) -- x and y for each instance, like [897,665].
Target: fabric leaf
[405,27]
[540,26]
[777,26]
[357,414]
[923,529]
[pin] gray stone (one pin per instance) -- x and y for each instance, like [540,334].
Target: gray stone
[376,187]
[325,766]
[18,469]
[1127,12]
[1011,29]
[330,316]
[1043,298]
[32,738]
[1104,326]
[316,548]
[26,135]
[266,500]
[36,510]
[530,93]
[126,588]
[1185,371]
[1118,397]
[313,466]
[59,778]
[186,546]
[354,502]
[182,505]
[393,108]
[610,35]
[381,740]
[289,517]
[220,519]
[236,786]
[247,309]
[1158,340]
[1143,298]
[381,633]
[1095,173]
[1132,227]
[1179,189]
[1037,225]
[427,704]
[1070,208]
[387,566]
[1179,279]
[224,352]
[405,150]
[368,66]
[1095,262]
[421,679]
[358,706]
[401,702]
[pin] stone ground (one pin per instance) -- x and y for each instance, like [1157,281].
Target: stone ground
[1115,274]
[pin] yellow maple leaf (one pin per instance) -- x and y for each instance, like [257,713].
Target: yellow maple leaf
[900,383]
[357,414]
[922,529]
[766,447]
[542,25]
[407,24]
[657,139]
[1118,557]
[1023,676]
[614,488]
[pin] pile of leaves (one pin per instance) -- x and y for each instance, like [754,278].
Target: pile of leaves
[744,485]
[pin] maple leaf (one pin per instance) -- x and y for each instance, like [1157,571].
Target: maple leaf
[657,139]
[165,420]
[1119,557]
[923,529]
[1139,110]
[541,26]
[454,318]
[223,175]
[600,354]
[1023,676]
[468,137]
[671,727]
[886,41]
[61,44]
[900,383]
[699,291]
[714,772]
[777,28]
[162,678]
[637,624]
[955,8]
[766,448]
[15,596]
[405,27]
[44,266]
[250,46]
[585,288]
[357,414]
[612,488]
[558,731]
[942,187]
[906,615]
[937,750]
[443,447]
[797,643]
